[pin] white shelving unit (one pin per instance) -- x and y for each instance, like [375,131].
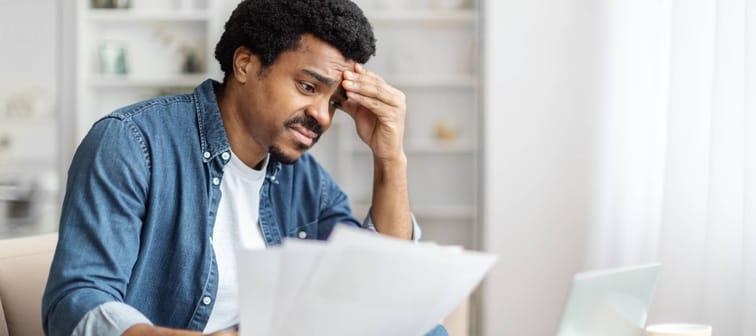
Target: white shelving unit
[156,37]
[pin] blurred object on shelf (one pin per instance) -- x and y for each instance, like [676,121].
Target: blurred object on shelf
[29,103]
[27,128]
[15,205]
[113,58]
[5,141]
[175,46]
[446,130]
[111,3]
[27,204]
[6,144]
[191,62]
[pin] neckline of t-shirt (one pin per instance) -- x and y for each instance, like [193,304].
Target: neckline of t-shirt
[242,171]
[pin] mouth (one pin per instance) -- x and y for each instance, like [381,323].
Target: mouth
[303,135]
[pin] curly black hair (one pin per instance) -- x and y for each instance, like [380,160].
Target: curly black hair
[269,27]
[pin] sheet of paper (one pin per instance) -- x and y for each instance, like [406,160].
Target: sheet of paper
[257,273]
[359,283]
[297,262]
[467,275]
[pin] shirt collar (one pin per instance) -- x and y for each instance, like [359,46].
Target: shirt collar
[213,139]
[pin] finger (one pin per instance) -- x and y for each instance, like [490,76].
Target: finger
[370,88]
[360,74]
[375,106]
[372,85]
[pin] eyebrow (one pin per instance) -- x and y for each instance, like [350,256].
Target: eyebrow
[320,78]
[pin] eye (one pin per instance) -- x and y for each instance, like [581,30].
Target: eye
[307,87]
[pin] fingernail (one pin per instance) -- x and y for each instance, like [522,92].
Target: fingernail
[349,74]
[348,83]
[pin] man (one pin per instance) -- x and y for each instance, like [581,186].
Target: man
[160,193]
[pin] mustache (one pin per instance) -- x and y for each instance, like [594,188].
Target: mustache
[307,122]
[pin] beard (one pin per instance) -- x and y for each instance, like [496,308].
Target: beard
[278,154]
[307,122]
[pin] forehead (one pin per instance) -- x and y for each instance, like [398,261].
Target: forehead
[316,55]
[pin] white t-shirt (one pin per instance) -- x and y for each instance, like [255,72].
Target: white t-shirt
[236,225]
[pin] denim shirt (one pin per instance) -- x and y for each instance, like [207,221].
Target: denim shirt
[141,199]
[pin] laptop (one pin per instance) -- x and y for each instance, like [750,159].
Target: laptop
[609,302]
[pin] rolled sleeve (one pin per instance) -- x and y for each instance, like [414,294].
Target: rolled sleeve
[417,233]
[109,319]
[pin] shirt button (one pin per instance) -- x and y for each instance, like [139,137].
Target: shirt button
[206,155]
[302,235]
[206,300]
[225,156]
[216,181]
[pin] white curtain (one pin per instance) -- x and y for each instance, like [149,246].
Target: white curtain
[677,166]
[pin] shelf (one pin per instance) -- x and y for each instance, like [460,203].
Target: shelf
[440,16]
[143,81]
[438,148]
[46,120]
[431,212]
[421,81]
[133,15]
[444,212]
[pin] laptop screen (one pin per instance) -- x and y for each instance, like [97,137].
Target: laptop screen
[609,302]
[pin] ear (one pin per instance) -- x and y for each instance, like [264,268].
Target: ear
[245,64]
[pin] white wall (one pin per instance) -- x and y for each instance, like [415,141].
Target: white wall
[28,39]
[540,62]
[28,80]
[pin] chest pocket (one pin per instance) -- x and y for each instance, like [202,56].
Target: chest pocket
[306,231]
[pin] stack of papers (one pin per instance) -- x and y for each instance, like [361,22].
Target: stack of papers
[357,283]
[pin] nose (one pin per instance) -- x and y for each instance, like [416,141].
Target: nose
[321,112]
